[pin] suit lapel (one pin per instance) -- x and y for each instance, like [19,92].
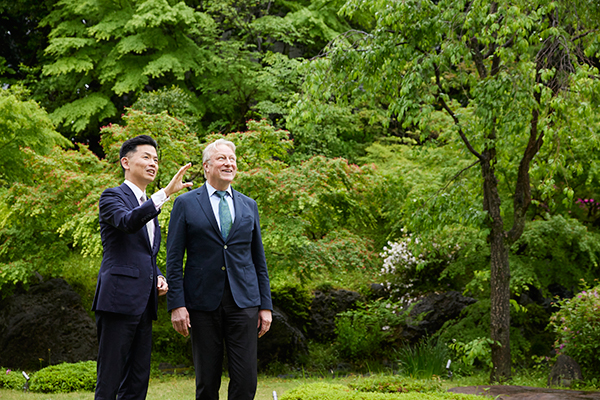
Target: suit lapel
[129,196]
[133,203]
[204,201]
[238,205]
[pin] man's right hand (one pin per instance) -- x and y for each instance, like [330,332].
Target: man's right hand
[176,183]
[180,318]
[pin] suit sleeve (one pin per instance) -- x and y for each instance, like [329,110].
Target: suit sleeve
[260,263]
[117,213]
[176,240]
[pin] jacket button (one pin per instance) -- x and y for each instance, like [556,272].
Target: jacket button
[223,268]
[225,247]
[151,276]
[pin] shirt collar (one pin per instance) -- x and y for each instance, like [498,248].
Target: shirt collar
[136,190]
[212,190]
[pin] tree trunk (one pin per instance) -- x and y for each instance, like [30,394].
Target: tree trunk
[500,274]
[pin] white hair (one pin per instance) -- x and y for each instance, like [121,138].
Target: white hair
[211,148]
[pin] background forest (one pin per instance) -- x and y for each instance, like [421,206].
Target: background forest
[427,146]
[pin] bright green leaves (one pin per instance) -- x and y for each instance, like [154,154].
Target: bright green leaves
[79,113]
[122,46]
[23,124]
[314,216]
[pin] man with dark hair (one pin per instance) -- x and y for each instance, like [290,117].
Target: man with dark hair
[224,294]
[129,282]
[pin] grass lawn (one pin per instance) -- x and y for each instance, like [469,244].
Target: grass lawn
[172,388]
[182,387]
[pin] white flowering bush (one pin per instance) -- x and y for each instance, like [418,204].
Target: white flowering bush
[405,274]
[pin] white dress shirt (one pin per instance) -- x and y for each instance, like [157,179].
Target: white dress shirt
[159,198]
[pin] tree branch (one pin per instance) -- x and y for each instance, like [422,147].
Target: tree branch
[451,113]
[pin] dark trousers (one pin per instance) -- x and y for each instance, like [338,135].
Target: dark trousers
[124,347]
[236,328]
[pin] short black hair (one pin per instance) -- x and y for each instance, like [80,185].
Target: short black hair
[130,146]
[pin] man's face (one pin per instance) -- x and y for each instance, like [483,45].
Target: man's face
[141,166]
[221,167]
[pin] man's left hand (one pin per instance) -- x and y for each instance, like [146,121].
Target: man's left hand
[264,321]
[162,286]
[176,183]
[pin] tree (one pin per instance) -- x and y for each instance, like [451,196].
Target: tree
[23,124]
[509,76]
[102,55]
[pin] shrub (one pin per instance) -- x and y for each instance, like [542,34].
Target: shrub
[324,391]
[363,332]
[469,332]
[11,379]
[294,300]
[63,378]
[424,360]
[396,384]
[577,326]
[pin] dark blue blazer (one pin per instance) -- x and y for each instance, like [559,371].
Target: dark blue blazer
[128,274]
[211,259]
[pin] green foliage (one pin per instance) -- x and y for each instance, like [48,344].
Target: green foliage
[173,100]
[556,249]
[107,48]
[104,55]
[315,216]
[325,391]
[396,384]
[321,357]
[479,349]
[577,327]
[425,360]
[365,332]
[468,337]
[11,379]
[23,124]
[295,300]
[64,378]
[35,238]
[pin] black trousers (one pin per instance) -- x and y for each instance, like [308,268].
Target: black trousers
[124,347]
[236,328]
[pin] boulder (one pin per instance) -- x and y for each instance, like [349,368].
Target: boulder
[564,372]
[324,309]
[431,312]
[283,342]
[45,325]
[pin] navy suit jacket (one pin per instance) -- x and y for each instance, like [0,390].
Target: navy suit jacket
[211,259]
[128,275]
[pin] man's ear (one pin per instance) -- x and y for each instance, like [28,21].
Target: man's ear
[125,163]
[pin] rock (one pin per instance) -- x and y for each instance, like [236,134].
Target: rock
[45,325]
[564,372]
[283,342]
[437,309]
[324,309]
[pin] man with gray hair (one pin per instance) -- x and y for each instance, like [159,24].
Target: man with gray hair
[223,298]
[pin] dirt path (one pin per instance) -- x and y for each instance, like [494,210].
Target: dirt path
[526,393]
